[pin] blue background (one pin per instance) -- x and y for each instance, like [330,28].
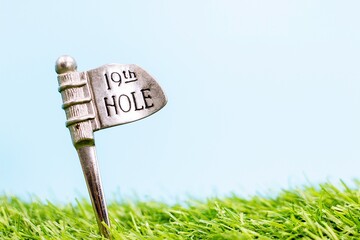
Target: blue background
[263,95]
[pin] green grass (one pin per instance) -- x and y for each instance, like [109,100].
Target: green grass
[324,212]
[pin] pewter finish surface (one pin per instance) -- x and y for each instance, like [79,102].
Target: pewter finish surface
[91,172]
[80,114]
[107,96]
[124,93]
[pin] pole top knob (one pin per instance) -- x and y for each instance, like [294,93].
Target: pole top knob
[65,64]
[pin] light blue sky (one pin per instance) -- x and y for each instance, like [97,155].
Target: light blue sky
[263,95]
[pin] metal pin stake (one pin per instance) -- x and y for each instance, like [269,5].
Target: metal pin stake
[72,87]
[107,96]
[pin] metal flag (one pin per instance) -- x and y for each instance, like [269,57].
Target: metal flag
[107,96]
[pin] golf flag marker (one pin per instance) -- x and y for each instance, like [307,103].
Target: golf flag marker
[104,97]
[123,93]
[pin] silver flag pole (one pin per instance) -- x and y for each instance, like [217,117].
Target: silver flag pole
[77,103]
